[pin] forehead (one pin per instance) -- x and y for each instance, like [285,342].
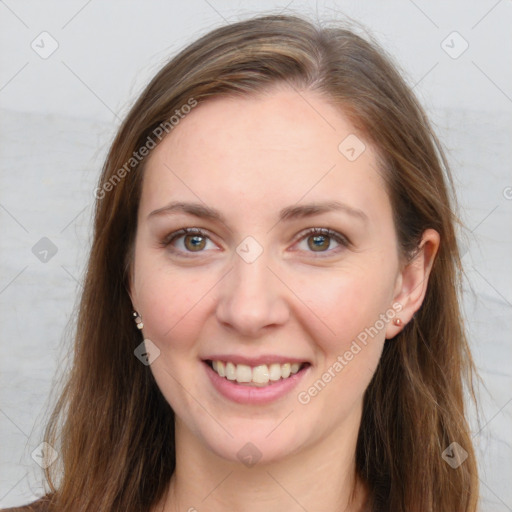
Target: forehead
[260,153]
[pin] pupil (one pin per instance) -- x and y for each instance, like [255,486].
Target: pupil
[319,242]
[196,241]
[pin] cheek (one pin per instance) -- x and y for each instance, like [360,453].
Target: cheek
[170,301]
[351,306]
[346,303]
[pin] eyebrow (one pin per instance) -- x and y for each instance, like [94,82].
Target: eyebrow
[286,214]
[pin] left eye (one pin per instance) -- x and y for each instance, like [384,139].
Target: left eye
[320,240]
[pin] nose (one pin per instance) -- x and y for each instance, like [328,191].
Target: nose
[251,298]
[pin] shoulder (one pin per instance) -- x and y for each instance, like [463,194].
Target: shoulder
[41,505]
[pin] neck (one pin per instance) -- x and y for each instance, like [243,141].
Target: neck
[321,478]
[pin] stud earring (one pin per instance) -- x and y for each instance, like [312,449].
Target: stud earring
[138,320]
[398,322]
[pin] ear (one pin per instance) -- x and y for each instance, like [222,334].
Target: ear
[412,281]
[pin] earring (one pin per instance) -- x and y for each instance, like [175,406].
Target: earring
[397,322]
[138,320]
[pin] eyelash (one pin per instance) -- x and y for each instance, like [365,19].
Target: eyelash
[342,240]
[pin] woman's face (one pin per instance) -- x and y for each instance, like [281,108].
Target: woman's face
[293,321]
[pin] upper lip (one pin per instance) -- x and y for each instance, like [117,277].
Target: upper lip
[254,361]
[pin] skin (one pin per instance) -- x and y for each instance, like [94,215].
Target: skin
[249,158]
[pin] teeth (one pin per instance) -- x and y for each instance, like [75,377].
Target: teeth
[260,374]
[274,371]
[243,373]
[230,371]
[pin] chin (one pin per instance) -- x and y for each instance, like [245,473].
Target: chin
[263,441]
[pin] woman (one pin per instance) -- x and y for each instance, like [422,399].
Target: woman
[270,317]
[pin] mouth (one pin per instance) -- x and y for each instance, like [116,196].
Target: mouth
[262,375]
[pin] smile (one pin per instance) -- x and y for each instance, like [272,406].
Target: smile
[257,380]
[260,375]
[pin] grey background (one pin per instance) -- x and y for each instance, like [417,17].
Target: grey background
[58,115]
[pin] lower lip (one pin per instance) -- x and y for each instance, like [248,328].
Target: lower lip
[244,394]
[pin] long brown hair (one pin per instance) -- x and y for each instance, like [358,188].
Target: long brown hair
[112,426]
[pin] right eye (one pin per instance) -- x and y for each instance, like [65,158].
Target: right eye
[187,240]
